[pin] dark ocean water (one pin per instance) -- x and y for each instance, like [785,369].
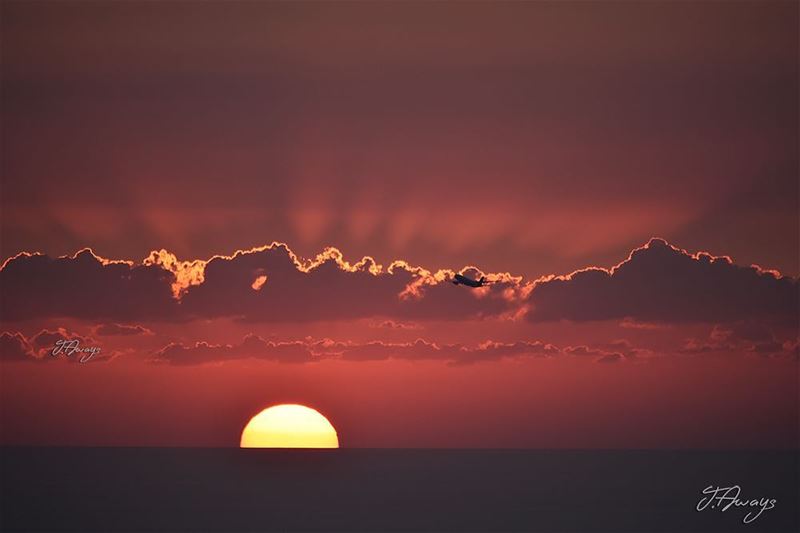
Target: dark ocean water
[173,489]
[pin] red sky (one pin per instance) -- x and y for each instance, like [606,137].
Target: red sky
[525,141]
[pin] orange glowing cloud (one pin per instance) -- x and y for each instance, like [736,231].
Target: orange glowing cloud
[259,282]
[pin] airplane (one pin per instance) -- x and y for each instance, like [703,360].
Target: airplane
[458,279]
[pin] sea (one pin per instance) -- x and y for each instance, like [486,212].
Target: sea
[230,490]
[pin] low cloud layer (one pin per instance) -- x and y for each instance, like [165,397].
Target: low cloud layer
[747,337]
[48,345]
[114,330]
[256,347]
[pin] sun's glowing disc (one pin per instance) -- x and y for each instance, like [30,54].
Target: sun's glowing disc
[289,426]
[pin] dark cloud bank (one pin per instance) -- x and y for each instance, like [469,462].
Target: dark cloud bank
[656,283]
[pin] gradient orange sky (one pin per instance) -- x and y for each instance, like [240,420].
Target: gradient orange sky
[542,144]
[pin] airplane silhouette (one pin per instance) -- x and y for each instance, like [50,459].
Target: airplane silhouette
[458,279]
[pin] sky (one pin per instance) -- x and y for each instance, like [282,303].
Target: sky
[244,203]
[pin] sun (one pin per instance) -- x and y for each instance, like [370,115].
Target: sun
[289,426]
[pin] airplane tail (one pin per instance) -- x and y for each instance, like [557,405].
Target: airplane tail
[483,278]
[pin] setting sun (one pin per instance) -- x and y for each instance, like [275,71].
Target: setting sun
[289,426]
